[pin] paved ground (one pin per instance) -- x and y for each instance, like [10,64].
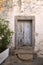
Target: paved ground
[13,60]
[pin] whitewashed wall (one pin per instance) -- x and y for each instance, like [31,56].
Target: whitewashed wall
[33,8]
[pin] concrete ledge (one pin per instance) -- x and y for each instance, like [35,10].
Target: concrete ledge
[4,55]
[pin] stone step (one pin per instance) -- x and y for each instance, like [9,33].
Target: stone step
[26,47]
[24,54]
[24,51]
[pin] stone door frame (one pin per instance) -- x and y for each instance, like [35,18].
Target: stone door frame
[33,28]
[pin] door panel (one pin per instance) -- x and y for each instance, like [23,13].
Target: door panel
[24,33]
[20,33]
[27,33]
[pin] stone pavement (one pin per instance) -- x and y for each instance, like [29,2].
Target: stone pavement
[13,60]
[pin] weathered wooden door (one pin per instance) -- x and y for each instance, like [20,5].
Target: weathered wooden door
[24,33]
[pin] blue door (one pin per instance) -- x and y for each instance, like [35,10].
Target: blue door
[24,33]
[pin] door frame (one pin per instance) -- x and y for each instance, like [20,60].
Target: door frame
[33,28]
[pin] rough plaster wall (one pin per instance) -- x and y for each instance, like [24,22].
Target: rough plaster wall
[31,8]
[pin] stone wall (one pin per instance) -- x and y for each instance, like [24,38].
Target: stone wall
[27,8]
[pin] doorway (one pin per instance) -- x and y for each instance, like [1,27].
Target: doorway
[24,29]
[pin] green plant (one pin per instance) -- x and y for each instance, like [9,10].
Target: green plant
[5,34]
